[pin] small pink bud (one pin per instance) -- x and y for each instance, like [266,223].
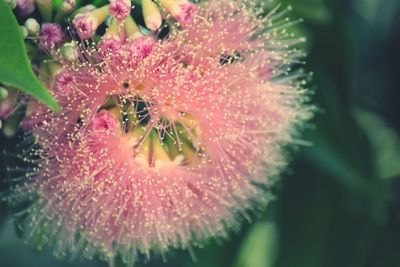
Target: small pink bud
[63,83]
[181,10]
[51,36]
[184,11]
[110,44]
[104,121]
[25,7]
[120,9]
[85,25]
[142,46]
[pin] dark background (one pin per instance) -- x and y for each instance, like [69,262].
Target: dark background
[338,204]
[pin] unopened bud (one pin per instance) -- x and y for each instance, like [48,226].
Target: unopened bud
[86,23]
[51,36]
[69,52]
[32,26]
[3,93]
[63,83]
[45,8]
[24,31]
[182,10]
[120,9]
[151,15]
[25,7]
[67,6]
[11,3]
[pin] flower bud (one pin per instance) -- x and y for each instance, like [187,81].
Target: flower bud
[24,31]
[181,10]
[151,15]
[51,36]
[69,52]
[110,44]
[142,46]
[63,83]
[32,26]
[86,23]
[11,3]
[67,6]
[3,93]
[103,121]
[120,9]
[25,7]
[45,8]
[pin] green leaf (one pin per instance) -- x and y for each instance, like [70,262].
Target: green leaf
[259,249]
[15,68]
[385,143]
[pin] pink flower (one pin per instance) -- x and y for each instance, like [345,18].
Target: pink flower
[141,46]
[85,25]
[110,44]
[50,36]
[63,83]
[25,7]
[120,9]
[164,143]
[103,121]
[184,11]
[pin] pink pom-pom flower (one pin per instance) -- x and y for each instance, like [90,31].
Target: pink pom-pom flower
[164,143]
[87,21]
[184,11]
[63,83]
[51,36]
[103,121]
[25,7]
[110,44]
[85,25]
[142,46]
[120,9]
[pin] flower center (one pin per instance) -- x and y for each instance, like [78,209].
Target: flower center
[157,139]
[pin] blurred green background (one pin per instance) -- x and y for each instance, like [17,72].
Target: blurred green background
[338,203]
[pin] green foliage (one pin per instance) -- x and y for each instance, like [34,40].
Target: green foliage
[15,68]
[259,247]
[385,143]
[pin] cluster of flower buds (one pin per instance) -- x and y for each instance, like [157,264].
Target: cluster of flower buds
[88,20]
[47,33]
